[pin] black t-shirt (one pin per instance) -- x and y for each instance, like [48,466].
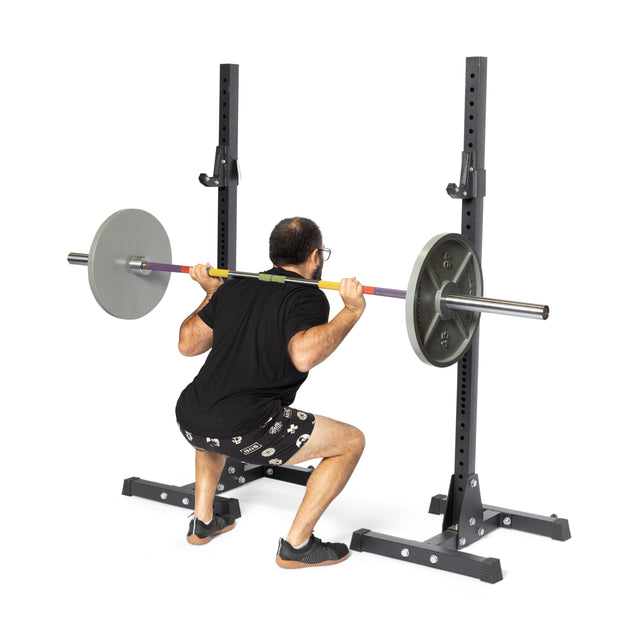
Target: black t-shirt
[248,375]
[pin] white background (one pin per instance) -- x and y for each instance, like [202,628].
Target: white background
[351,113]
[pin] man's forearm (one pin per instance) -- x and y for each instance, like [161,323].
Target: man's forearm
[200,274]
[191,316]
[309,348]
[195,337]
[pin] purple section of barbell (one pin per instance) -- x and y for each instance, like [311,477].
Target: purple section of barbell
[390,293]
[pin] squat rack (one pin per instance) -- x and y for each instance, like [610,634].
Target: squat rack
[225,177]
[465,518]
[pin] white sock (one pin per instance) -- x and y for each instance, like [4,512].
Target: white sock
[304,544]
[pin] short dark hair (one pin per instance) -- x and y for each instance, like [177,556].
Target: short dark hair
[293,240]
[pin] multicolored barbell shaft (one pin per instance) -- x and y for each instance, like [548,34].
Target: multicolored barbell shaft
[451,301]
[267,277]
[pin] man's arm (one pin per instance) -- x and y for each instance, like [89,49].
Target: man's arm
[196,336]
[309,348]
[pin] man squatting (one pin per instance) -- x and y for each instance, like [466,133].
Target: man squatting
[263,339]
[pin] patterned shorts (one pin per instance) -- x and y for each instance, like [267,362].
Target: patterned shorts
[273,443]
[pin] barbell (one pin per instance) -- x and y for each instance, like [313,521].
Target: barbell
[443,298]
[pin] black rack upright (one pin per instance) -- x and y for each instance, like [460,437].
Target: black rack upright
[466,519]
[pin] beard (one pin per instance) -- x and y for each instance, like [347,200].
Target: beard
[317,274]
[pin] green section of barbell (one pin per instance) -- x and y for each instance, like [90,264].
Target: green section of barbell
[268,277]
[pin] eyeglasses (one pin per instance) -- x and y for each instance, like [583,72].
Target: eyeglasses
[326,254]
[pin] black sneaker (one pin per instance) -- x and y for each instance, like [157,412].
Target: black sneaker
[201,533]
[314,554]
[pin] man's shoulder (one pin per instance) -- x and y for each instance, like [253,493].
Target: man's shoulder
[308,301]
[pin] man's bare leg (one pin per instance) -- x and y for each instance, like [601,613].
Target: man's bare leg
[209,466]
[340,446]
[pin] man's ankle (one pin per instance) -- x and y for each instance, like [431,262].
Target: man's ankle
[206,519]
[297,543]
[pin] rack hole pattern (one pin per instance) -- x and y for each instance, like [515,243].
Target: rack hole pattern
[224,257]
[463,471]
[470,143]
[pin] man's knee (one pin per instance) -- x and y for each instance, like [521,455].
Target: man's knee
[357,441]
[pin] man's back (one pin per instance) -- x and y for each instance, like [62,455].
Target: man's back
[248,374]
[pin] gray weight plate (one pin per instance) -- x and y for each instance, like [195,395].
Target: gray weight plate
[128,234]
[448,264]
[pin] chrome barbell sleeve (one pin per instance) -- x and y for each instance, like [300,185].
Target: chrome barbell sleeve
[503,307]
[78,258]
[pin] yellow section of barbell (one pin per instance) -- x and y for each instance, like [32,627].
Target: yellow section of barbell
[218,273]
[325,284]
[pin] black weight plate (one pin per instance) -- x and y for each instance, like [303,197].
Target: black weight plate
[448,264]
